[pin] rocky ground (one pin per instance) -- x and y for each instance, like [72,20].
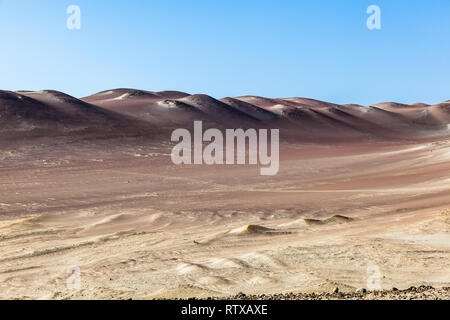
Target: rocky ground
[412,293]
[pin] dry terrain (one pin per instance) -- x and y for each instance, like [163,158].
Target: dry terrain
[349,207]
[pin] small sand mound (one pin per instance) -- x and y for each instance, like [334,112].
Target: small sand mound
[253,229]
[331,220]
[338,219]
[313,222]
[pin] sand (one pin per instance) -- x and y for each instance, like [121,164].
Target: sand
[139,227]
[91,206]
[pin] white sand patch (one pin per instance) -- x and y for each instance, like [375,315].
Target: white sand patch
[407,150]
[437,239]
[107,93]
[278,108]
[168,105]
[48,95]
[124,96]
[361,110]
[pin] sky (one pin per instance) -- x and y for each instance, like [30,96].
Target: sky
[318,49]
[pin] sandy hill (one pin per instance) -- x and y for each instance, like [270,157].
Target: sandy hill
[306,119]
[53,113]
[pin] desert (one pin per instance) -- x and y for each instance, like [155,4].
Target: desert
[361,201]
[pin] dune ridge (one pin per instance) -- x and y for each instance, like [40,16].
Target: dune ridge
[131,111]
[335,219]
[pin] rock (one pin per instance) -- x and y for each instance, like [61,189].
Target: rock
[336,290]
[361,290]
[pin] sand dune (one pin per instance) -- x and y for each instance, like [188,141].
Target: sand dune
[301,119]
[334,219]
[253,229]
[250,109]
[19,112]
[217,109]
[51,113]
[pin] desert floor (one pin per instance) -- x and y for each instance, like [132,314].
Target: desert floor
[139,227]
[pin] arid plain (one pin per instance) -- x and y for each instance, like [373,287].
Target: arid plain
[89,183]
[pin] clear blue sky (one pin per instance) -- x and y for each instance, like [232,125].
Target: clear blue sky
[319,49]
